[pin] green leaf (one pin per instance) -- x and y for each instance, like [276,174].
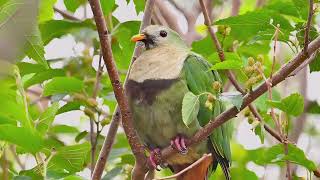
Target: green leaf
[261,101]
[259,130]
[314,108]
[28,68]
[73,5]
[315,64]
[73,177]
[63,129]
[228,65]
[244,27]
[293,104]
[190,108]
[47,117]
[57,28]
[25,138]
[122,47]
[229,56]
[302,6]
[204,47]
[81,135]
[139,5]
[46,10]
[107,6]
[235,98]
[42,76]
[285,7]
[275,154]
[70,106]
[61,85]
[34,48]
[70,158]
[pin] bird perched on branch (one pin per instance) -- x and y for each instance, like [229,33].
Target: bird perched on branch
[172,94]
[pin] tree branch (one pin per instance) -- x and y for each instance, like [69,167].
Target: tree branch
[116,118]
[137,148]
[230,75]
[66,15]
[280,76]
[306,33]
[235,7]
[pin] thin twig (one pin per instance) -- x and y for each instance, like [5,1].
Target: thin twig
[306,33]
[204,157]
[66,15]
[235,7]
[230,75]
[93,137]
[116,118]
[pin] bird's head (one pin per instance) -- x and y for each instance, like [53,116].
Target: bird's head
[156,36]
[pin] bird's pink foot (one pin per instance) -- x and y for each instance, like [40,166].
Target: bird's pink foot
[154,158]
[179,143]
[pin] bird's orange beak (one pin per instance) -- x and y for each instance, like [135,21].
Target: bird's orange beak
[138,37]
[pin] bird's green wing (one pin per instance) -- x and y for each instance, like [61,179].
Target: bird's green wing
[200,80]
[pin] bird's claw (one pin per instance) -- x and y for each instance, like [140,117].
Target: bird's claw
[179,143]
[155,159]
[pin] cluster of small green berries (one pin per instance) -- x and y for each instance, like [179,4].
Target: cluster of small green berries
[251,119]
[253,71]
[216,86]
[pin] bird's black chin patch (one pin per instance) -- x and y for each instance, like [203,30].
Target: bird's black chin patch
[149,42]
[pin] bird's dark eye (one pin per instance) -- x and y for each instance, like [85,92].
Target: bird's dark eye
[163,33]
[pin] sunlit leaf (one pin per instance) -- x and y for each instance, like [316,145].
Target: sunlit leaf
[46,118]
[190,108]
[57,28]
[292,104]
[60,85]
[25,138]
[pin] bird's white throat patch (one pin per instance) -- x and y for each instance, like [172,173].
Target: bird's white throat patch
[159,63]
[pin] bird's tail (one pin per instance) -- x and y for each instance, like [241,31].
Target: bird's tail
[198,172]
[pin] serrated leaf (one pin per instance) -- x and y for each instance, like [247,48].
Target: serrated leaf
[28,68]
[70,158]
[73,5]
[235,98]
[28,140]
[42,76]
[139,5]
[46,10]
[190,108]
[230,64]
[34,48]
[61,85]
[244,27]
[275,154]
[293,104]
[46,118]
[107,6]
[57,28]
